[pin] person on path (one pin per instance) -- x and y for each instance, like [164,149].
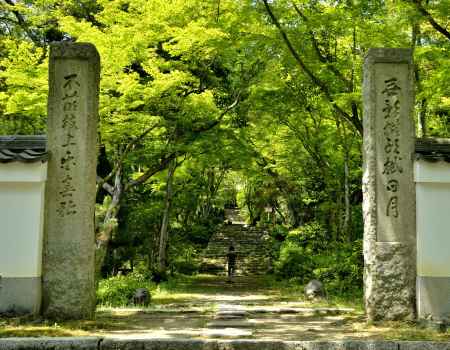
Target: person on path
[231,262]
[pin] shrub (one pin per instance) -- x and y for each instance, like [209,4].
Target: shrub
[119,290]
[342,269]
[279,233]
[311,235]
[183,258]
[294,261]
[307,253]
[186,267]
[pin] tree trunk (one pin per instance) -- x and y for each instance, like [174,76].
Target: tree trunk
[347,212]
[422,119]
[422,113]
[163,238]
[109,224]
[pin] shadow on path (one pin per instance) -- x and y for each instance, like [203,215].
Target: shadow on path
[207,307]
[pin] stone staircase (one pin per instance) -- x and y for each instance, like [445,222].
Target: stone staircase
[234,216]
[251,245]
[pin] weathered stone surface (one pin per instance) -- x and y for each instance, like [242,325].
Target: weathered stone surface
[344,345]
[423,345]
[226,332]
[392,292]
[300,310]
[314,289]
[128,343]
[157,344]
[81,343]
[68,281]
[250,344]
[236,313]
[388,185]
[141,297]
[230,323]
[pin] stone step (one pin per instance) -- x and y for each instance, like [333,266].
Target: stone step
[227,318]
[253,245]
[259,251]
[231,324]
[232,312]
[251,248]
[231,315]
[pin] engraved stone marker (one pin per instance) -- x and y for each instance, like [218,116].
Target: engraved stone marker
[68,280]
[388,185]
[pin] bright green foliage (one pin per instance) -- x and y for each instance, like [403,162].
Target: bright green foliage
[119,290]
[294,262]
[184,258]
[250,120]
[311,236]
[307,253]
[340,267]
[23,104]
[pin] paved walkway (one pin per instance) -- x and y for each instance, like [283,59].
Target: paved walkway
[246,308]
[209,308]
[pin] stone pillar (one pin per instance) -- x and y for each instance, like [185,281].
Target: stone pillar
[68,278]
[388,185]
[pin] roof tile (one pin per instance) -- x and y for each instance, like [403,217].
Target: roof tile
[23,148]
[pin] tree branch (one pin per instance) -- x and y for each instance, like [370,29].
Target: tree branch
[22,23]
[217,121]
[164,161]
[323,58]
[152,171]
[118,163]
[423,11]
[322,86]
[106,186]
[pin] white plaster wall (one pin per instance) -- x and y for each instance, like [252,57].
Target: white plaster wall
[22,188]
[23,172]
[433,218]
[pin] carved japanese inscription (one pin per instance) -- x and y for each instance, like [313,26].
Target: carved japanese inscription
[393,152]
[391,131]
[70,101]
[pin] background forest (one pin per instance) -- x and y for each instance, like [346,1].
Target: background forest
[213,104]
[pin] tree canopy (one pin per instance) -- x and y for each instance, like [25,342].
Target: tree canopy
[254,103]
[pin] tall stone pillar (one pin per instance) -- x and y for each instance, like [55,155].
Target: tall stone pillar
[388,185]
[68,276]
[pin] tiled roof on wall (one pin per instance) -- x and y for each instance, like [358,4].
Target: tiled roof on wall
[21,148]
[433,149]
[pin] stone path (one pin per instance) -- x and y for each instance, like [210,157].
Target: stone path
[244,309]
[207,308]
[230,321]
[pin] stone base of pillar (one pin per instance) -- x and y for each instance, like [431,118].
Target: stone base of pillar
[388,278]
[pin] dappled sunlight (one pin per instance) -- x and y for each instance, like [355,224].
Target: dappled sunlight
[252,311]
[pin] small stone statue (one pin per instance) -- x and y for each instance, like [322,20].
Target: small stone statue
[314,290]
[141,296]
